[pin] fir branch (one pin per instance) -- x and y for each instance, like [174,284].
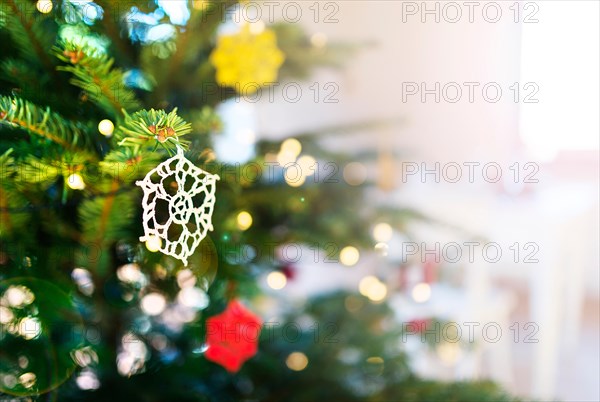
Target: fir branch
[33,170]
[153,128]
[7,165]
[105,214]
[9,198]
[105,220]
[26,32]
[44,123]
[127,164]
[94,73]
[28,81]
[22,207]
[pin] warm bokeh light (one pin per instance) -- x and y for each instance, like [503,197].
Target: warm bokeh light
[366,283]
[375,360]
[75,182]
[200,4]
[44,6]
[87,380]
[153,244]
[19,296]
[153,303]
[349,256]
[448,352]
[186,278]
[382,249]
[130,273]
[27,380]
[376,365]
[244,220]
[30,327]
[421,292]
[284,158]
[294,180]
[83,278]
[193,297]
[355,173]
[378,292]
[106,127]
[296,361]
[84,356]
[307,164]
[276,280]
[382,232]
[6,315]
[372,288]
[291,146]
[131,359]
[319,40]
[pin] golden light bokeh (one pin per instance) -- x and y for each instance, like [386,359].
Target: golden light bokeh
[307,164]
[106,127]
[153,303]
[421,292]
[75,182]
[153,244]
[355,173]
[44,6]
[383,232]
[276,280]
[372,288]
[291,146]
[349,256]
[296,361]
[296,181]
[244,220]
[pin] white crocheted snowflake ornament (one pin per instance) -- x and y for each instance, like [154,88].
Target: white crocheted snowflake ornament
[179,199]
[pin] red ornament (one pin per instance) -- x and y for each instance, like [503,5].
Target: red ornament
[232,336]
[430,270]
[289,271]
[419,325]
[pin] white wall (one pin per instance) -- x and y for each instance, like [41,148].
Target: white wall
[412,51]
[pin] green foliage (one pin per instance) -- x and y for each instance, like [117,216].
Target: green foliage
[10,199]
[107,218]
[29,30]
[127,164]
[94,73]
[206,121]
[354,354]
[154,128]
[44,123]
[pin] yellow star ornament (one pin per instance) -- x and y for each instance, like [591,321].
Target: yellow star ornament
[247,60]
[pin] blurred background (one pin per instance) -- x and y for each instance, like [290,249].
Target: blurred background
[487,123]
[432,212]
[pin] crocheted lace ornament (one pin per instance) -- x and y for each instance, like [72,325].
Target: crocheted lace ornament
[189,194]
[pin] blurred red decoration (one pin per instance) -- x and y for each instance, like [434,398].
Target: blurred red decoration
[430,270]
[289,271]
[232,336]
[418,325]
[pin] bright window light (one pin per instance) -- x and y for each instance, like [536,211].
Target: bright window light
[560,53]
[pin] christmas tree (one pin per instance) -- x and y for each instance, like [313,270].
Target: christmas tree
[130,252]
